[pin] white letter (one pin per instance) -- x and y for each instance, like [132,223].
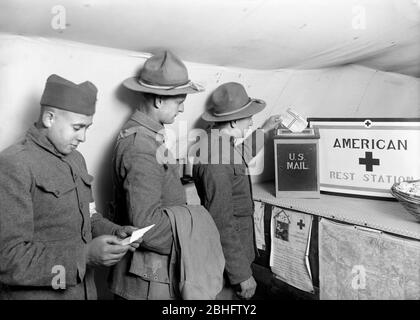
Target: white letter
[198,150]
[359,280]
[359,20]
[59,20]
[59,281]
[163,152]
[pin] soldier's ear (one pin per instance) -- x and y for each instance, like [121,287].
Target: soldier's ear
[48,118]
[158,101]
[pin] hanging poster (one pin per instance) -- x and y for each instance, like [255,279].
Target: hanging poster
[290,239]
[259,225]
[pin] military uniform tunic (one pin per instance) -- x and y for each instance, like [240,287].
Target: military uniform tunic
[224,186]
[45,222]
[144,185]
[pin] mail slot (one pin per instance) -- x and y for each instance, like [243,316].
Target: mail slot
[297,163]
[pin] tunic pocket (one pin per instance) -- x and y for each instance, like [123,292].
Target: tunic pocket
[240,170]
[54,186]
[87,179]
[241,193]
[150,266]
[54,203]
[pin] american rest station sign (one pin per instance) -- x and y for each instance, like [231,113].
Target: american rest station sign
[365,157]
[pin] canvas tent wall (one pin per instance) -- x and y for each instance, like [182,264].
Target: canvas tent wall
[341,91]
[253,34]
[322,58]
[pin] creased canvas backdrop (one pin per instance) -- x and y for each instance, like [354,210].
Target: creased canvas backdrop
[344,91]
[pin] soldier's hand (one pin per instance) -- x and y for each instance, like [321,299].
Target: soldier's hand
[272,123]
[105,250]
[247,288]
[126,231]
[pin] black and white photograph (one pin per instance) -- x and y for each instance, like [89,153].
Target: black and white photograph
[282,230]
[137,137]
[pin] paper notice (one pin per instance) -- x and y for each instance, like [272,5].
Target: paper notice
[290,239]
[293,121]
[136,235]
[259,224]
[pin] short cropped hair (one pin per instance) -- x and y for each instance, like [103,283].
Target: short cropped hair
[151,96]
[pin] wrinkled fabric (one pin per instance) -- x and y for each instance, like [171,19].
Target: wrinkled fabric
[199,252]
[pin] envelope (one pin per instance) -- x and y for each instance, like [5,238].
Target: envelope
[293,121]
[136,235]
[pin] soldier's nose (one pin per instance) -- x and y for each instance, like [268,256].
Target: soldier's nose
[82,137]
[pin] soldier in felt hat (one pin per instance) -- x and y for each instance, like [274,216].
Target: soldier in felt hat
[224,187]
[50,234]
[144,185]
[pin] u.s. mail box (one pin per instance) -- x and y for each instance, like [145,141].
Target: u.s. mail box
[296,163]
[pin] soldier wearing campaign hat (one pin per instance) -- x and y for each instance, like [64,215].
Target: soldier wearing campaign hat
[144,185]
[50,233]
[224,187]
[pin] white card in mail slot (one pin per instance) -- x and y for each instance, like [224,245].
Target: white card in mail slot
[136,235]
[293,121]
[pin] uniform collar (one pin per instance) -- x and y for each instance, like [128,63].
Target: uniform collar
[144,120]
[35,135]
